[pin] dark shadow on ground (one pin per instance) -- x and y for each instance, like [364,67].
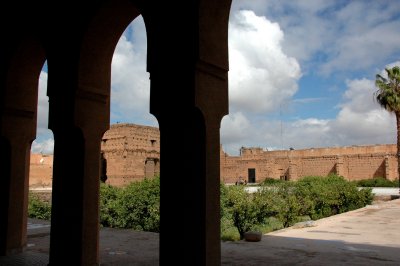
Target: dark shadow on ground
[128,247]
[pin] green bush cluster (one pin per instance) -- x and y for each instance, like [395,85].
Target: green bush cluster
[244,210]
[272,207]
[288,202]
[38,208]
[377,182]
[136,206]
[109,205]
[271,181]
[331,195]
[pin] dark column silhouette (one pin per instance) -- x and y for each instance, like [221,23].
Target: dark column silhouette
[21,64]
[188,63]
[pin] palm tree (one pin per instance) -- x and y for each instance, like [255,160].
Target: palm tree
[388,96]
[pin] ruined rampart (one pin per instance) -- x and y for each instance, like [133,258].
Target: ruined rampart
[131,152]
[40,171]
[353,163]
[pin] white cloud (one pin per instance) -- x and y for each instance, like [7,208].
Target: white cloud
[366,47]
[44,142]
[261,76]
[303,133]
[130,92]
[359,96]
[45,146]
[43,103]
[360,121]
[329,36]
[235,129]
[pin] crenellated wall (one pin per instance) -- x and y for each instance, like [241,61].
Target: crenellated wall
[131,152]
[41,170]
[353,163]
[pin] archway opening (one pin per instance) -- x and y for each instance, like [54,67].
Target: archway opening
[133,136]
[131,144]
[40,174]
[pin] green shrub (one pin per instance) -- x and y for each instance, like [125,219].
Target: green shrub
[138,206]
[271,181]
[224,203]
[287,203]
[270,224]
[247,211]
[377,182]
[288,207]
[109,205]
[228,231]
[37,208]
[331,195]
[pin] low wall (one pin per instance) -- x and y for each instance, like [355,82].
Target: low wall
[353,163]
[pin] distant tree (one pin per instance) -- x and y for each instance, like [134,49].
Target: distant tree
[388,96]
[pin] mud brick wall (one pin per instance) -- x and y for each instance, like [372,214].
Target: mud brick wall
[353,163]
[391,166]
[365,166]
[315,166]
[41,171]
[132,152]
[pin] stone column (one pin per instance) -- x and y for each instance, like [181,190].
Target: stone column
[18,108]
[189,116]
[18,131]
[78,120]
[93,119]
[189,97]
[182,180]
[66,234]
[212,83]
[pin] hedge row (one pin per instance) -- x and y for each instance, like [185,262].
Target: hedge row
[290,202]
[137,206]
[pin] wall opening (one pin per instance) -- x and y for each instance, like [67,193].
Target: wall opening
[41,161]
[132,146]
[251,174]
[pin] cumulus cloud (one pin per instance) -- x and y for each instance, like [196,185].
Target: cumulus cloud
[363,34]
[43,103]
[43,146]
[328,38]
[44,142]
[264,75]
[130,84]
[261,76]
[360,121]
[236,127]
[307,29]
[334,35]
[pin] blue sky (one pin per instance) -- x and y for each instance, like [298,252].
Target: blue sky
[301,75]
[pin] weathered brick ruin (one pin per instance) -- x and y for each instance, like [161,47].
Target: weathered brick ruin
[353,163]
[131,152]
[41,170]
